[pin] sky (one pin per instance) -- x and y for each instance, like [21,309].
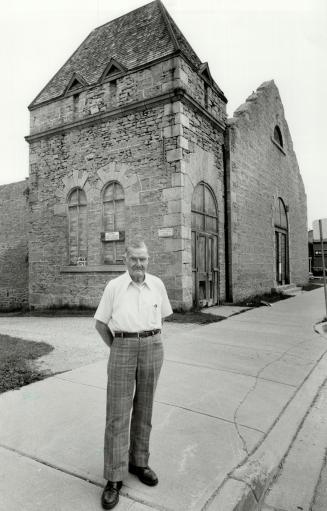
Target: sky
[245,42]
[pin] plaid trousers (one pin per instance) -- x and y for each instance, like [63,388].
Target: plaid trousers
[133,369]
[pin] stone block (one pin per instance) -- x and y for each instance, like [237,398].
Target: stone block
[177,130]
[167,131]
[179,74]
[180,118]
[170,194]
[174,154]
[177,179]
[60,209]
[182,142]
[168,109]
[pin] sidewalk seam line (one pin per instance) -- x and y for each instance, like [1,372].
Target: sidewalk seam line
[217,369]
[208,415]
[80,477]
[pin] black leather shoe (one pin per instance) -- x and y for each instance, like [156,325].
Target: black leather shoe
[145,474]
[110,495]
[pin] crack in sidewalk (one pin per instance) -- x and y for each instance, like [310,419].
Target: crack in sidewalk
[253,387]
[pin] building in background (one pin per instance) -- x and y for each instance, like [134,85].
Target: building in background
[315,250]
[131,139]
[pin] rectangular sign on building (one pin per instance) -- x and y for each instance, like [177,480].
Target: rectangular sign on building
[316,231]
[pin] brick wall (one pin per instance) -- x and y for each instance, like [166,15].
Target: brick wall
[13,246]
[261,172]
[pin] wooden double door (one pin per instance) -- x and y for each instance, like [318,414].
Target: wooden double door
[204,269]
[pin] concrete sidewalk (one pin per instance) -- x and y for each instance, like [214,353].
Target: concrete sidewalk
[230,399]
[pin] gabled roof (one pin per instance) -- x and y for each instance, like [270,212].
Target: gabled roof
[133,40]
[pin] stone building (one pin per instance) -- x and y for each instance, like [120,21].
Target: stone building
[14,246]
[130,139]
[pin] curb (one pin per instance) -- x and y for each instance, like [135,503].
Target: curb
[321,329]
[245,487]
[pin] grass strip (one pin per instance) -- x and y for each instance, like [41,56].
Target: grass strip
[16,362]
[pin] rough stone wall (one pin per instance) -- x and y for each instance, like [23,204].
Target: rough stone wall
[194,152]
[196,87]
[129,150]
[261,172]
[158,155]
[104,97]
[14,246]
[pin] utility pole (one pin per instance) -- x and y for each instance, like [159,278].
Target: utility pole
[323,262]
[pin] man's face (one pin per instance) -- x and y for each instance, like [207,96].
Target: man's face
[137,261]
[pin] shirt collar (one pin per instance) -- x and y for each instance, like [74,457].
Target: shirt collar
[146,281]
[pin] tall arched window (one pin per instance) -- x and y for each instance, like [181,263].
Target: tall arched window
[77,218]
[281,243]
[113,222]
[204,209]
[204,246]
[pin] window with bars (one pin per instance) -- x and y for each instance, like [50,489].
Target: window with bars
[204,209]
[77,220]
[113,223]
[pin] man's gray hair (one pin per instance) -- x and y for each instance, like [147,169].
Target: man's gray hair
[135,244]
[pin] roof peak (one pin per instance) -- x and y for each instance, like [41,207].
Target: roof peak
[134,39]
[114,20]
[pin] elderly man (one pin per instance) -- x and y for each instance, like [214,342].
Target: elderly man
[129,319]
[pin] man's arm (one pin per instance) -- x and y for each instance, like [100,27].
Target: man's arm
[105,332]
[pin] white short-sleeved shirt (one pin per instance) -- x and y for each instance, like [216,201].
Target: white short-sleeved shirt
[129,307]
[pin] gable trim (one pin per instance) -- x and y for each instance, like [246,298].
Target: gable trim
[108,76]
[75,78]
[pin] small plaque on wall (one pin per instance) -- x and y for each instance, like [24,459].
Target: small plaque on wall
[166,232]
[113,236]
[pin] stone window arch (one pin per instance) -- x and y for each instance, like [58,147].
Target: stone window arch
[77,226]
[278,136]
[113,223]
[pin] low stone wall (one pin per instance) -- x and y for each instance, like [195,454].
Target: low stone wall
[14,246]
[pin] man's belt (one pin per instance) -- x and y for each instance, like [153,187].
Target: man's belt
[145,333]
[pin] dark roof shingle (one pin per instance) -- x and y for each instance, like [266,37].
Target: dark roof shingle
[135,39]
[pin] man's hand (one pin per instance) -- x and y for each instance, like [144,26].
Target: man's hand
[105,332]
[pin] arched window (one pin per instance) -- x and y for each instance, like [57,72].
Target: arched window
[278,136]
[204,209]
[77,218]
[281,243]
[113,223]
[280,215]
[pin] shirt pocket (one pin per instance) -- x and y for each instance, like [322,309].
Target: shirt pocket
[153,310]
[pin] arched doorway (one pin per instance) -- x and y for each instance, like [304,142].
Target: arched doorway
[204,246]
[281,244]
